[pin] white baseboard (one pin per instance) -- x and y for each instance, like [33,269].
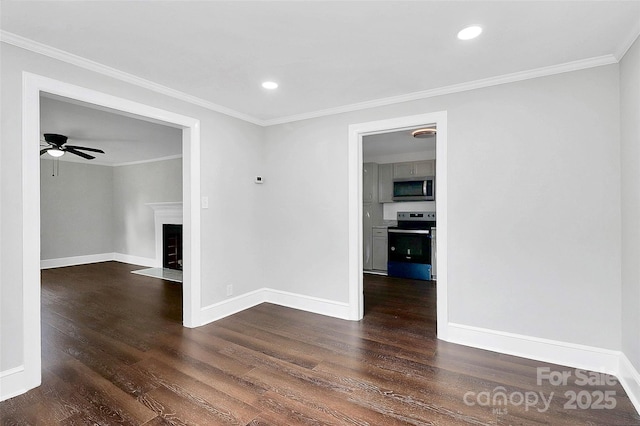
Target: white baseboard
[308,303]
[96,258]
[546,350]
[554,352]
[136,260]
[75,260]
[12,383]
[234,305]
[231,306]
[630,380]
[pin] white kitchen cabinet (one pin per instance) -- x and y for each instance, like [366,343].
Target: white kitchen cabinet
[380,249]
[385,183]
[414,169]
[371,216]
[369,183]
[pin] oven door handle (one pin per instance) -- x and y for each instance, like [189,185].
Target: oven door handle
[410,231]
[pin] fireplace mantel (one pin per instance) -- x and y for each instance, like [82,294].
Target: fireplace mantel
[169,213]
[170,206]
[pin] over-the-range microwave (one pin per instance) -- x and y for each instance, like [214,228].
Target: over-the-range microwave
[414,189]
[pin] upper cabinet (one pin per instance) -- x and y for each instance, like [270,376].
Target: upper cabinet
[414,169]
[369,183]
[385,183]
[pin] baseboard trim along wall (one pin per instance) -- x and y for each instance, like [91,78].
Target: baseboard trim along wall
[234,305]
[96,258]
[552,351]
[12,383]
[546,350]
[136,260]
[75,260]
[630,379]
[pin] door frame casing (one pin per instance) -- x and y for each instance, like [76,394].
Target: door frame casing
[356,133]
[33,86]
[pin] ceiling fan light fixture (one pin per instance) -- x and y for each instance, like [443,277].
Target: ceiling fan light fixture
[55,152]
[424,132]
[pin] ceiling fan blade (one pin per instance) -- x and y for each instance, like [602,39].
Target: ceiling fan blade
[81,154]
[84,148]
[42,151]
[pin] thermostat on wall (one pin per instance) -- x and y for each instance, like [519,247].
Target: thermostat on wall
[259,179]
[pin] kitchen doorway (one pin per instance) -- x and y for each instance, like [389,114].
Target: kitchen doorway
[399,170]
[357,133]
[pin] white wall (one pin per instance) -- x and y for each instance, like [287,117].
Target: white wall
[395,158]
[76,209]
[133,187]
[630,142]
[92,209]
[534,205]
[231,152]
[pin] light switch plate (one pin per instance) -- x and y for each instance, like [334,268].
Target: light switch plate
[205,202]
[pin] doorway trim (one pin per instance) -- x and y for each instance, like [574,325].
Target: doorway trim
[32,87]
[356,133]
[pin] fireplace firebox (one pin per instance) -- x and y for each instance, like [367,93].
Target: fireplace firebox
[172,246]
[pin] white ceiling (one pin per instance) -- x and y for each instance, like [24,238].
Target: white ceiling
[327,56]
[123,139]
[396,143]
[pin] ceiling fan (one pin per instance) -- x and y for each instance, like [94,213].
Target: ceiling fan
[57,147]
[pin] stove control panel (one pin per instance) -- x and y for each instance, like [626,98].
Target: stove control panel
[417,216]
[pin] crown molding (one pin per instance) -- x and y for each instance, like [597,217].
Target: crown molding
[624,47]
[455,88]
[106,164]
[64,56]
[152,160]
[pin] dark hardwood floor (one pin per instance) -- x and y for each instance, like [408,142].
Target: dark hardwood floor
[114,352]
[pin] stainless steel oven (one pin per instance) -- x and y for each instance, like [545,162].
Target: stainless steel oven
[409,246]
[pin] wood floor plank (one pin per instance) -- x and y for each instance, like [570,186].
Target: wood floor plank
[236,386]
[265,346]
[337,407]
[104,393]
[208,398]
[199,346]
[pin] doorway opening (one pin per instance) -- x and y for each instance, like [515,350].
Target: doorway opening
[399,171]
[35,86]
[357,134]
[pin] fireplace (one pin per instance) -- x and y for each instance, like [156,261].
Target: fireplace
[172,246]
[169,213]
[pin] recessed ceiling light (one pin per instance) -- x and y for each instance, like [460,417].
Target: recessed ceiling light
[470,32]
[424,133]
[270,85]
